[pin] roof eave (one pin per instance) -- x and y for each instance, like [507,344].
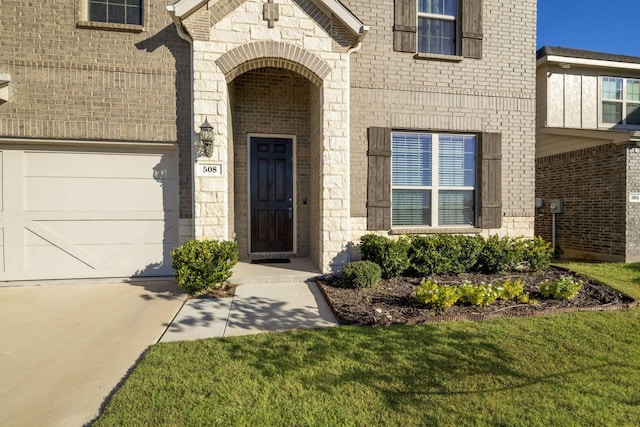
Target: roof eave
[570,60]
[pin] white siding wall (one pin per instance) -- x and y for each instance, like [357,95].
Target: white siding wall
[572,100]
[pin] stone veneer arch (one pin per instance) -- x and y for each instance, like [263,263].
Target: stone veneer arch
[273,54]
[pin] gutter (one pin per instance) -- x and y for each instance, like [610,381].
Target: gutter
[186,37]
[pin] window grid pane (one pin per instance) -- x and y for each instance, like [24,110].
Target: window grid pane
[633,114]
[456,207]
[411,159]
[411,207]
[457,167]
[116,11]
[612,112]
[436,36]
[611,88]
[437,7]
[633,90]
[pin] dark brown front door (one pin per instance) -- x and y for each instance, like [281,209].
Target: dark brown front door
[271,193]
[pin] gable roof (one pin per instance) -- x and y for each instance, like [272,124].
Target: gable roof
[565,55]
[184,8]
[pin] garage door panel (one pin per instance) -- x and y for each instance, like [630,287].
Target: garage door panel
[84,215]
[96,233]
[101,194]
[99,165]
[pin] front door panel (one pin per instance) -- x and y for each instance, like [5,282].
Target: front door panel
[271,195]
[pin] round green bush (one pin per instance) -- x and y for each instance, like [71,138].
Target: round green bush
[202,264]
[361,274]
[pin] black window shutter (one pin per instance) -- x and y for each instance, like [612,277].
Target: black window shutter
[471,28]
[490,211]
[404,28]
[379,179]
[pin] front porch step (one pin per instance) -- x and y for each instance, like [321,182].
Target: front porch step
[298,270]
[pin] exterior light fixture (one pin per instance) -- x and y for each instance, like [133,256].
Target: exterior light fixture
[206,137]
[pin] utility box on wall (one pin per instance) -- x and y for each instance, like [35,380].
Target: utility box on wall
[556,206]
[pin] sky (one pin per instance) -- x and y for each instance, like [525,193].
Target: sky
[609,26]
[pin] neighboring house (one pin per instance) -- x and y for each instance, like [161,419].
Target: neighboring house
[587,152]
[329,120]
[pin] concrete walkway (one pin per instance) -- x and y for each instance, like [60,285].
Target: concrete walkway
[269,298]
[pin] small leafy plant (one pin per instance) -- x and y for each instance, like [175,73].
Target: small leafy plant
[564,288]
[203,264]
[361,274]
[480,294]
[436,296]
[511,289]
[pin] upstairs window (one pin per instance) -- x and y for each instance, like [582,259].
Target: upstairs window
[437,26]
[620,101]
[116,11]
[446,29]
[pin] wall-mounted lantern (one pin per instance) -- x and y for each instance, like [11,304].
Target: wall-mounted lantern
[206,137]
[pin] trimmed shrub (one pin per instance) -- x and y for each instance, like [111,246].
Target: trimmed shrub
[500,254]
[436,296]
[537,254]
[361,274]
[444,253]
[391,255]
[564,288]
[203,264]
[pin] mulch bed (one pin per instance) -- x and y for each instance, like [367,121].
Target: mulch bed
[393,301]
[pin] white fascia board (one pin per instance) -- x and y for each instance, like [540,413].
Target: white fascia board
[347,18]
[588,62]
[184,8]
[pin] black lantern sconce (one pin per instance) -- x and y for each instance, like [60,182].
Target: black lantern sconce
[206,137]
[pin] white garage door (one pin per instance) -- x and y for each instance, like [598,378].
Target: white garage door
[87,213]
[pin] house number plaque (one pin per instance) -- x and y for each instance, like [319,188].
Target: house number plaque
[209,169]
[634,198]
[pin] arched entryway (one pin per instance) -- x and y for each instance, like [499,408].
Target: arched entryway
[275,127]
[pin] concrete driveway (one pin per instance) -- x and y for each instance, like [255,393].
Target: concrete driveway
[65,347]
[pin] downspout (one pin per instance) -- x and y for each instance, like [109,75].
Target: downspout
[355,48]
[186,37]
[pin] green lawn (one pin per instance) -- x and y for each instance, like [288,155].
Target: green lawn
[574,369]
[623,277]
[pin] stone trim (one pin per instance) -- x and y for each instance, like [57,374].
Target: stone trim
[273,54]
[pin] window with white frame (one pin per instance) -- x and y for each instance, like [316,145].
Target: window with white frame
[620,101]
[437,26]
[116,11]
[433,179]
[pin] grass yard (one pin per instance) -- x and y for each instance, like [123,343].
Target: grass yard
[577,369]
[623,277]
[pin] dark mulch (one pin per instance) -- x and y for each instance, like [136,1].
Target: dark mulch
[393,301]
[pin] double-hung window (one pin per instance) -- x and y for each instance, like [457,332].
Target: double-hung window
[116,11]
[620,101]
[433,179]
[437,26]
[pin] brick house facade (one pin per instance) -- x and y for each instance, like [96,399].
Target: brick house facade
[315,105]
[587,153]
